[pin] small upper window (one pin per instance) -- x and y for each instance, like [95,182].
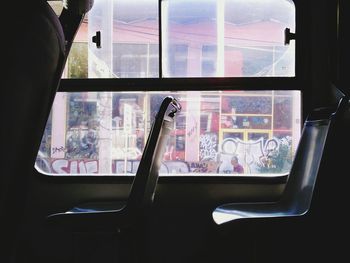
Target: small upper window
[207,38]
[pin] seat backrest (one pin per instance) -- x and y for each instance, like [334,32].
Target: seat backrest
[36,49]
[299,189]
[330,193]
[143,187]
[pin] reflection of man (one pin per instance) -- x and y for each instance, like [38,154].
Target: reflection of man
[237,168]
[207,165]
[212,166]
[88,145]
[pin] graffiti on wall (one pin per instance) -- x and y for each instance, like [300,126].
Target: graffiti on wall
[82,144]
[259,156]
[256,157]
[208,145]
[64,166]
[88,166]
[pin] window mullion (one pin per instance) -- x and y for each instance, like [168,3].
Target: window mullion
[160,55]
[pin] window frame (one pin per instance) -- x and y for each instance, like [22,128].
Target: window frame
[298,82]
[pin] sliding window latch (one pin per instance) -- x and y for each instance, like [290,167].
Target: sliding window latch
[288,36]
[97,39]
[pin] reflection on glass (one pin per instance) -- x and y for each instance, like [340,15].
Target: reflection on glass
[129,41]
[104,133]
[135,39]
[227,38]
[189,27]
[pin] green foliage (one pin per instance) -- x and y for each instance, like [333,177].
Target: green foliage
[78,61]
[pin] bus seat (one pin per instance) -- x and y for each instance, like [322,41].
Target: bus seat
[37,44]
[297,195]
[127,217]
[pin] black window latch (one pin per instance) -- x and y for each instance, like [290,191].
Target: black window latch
[288,36]
[97,39]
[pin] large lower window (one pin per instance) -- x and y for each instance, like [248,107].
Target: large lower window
[217,133]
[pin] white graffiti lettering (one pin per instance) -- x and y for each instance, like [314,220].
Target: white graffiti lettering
[62,166]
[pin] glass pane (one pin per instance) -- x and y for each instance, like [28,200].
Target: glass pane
[228,38]
[104,133]
[189,30]
[135,41]
[100,19]
[129,41]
